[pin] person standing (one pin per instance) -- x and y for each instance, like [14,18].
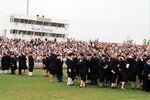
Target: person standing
[76,69]
[89,57]
[45,65]
[7,63]
[102,71]
[13,64]
[70,69]
[146,78]
[122,71]
[95,62]
[22,64]
[114,63]
[3,63]
[139,66]
[131,66]
[19,63]
[31,64]
[52,67]
[83,70]
[59,69]
[108,71]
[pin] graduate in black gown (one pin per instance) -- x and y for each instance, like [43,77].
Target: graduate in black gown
[146,78]
[122,71]
[89,57]
[132,70]
[22,64]
[139,67]
[52,66]
[30,63]
[95,62]
[3,62]
[108,71]
[19,61]
[59,68]
[102,71]
[13,64]
[83,69]
[114,63]
[45,65]
[70,69]
[7,62]
[76,69]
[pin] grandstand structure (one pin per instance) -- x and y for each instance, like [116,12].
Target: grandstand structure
[31,27]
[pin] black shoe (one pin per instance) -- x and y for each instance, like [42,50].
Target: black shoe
[113,87]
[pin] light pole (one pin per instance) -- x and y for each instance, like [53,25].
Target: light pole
[27,7]
[128,37]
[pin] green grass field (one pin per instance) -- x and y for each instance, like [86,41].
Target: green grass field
[37,87]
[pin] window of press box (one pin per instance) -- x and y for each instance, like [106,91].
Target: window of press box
[17,20]
[23,21]
[54,24]
[39,23]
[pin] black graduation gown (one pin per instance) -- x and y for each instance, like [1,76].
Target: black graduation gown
[146,78]
[132,70]
[31,63]
[52,65]
[123,73]
[95,68]
[108,72]
[83,69]
[102,70]
[70,66]
[59,68]
[139,68]
[7,61]
[114,66]
[22,62]
[89,69]
[3,62]
[75,60]
[20,68]
[13,64]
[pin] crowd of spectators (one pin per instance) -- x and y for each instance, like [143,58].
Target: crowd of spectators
[39,48]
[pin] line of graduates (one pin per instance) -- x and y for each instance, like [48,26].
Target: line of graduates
[109,71]
[10,61]
[91,69]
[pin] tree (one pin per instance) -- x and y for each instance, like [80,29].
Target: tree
[144,41]
[148,42]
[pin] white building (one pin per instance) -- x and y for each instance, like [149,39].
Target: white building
[31,27]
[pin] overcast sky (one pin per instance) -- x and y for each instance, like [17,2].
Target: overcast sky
[108,20]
